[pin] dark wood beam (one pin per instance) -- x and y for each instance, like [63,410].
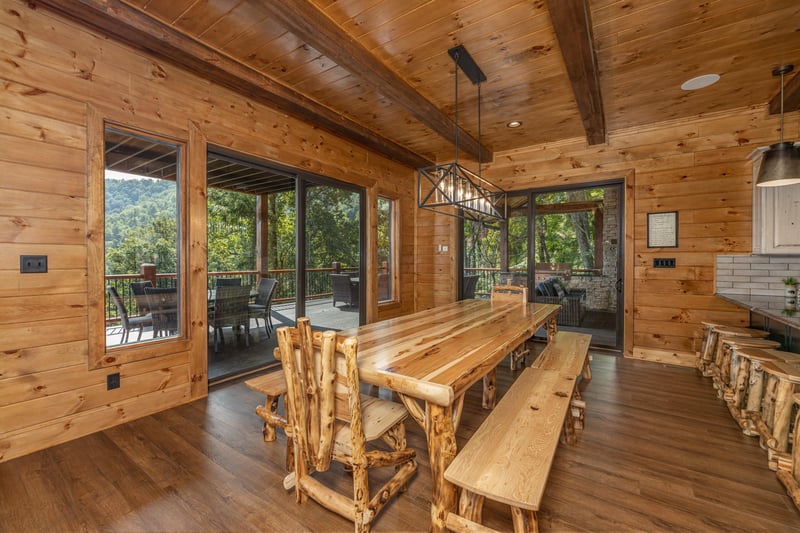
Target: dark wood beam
[791,97]
[123,23]
[302,18]
[573,27]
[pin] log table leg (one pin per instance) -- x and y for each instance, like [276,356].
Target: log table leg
[442,447]
[551,328]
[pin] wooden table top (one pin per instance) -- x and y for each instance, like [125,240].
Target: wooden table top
[437,354]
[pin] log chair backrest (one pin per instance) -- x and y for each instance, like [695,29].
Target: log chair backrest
[510,293]
[322,387]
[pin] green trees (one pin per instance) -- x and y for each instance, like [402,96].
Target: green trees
[140,225]
[231,231]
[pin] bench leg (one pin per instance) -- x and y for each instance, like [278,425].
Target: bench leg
[271,405]
[490,389]
[524,520]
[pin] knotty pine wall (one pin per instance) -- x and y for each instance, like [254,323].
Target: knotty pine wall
[55,79]
[698,168]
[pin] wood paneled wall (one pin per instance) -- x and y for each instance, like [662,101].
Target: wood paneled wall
[697,167]
[55,75]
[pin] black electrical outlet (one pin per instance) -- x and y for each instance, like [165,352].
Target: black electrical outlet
[32,264]
[664,262]
[112,381]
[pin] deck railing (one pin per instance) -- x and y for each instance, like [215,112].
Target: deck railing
[318,285]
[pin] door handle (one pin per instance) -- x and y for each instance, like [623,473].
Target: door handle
[619,285]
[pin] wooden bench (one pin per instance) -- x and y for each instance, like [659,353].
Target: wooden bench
[273,386]
[568,353]
[508,458]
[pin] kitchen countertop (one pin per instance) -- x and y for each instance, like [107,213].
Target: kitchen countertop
[773,307]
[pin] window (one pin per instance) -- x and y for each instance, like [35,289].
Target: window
[142,259]
[386,250]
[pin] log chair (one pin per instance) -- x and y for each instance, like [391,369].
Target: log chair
[505,294]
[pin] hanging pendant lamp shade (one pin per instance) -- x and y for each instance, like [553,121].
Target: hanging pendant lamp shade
[451,188]
[780,164]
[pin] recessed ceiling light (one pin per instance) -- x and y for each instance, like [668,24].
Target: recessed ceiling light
[514,124]
[699,82]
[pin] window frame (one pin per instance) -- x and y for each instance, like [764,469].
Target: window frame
[394,246]
[100,355]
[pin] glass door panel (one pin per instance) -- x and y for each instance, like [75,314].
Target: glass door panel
[495,254]
[577,259]
[332,251]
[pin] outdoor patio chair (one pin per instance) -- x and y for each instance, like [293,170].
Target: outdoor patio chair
[163,303]
[223,282]
[230,310]
[344,289]
[128,323]
[263,303]
[137,289]
[332,421]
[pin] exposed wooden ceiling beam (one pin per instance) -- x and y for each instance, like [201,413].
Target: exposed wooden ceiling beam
[791,97]
[301,17]
[123,23]
[573,27]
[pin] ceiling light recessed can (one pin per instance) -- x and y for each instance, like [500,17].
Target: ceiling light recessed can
[514,124]
[700,82]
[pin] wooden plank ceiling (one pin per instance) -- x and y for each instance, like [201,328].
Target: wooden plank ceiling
[378,71]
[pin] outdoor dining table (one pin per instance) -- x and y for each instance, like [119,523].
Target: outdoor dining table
[432,357]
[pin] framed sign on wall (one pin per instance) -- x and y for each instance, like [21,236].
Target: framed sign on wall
[662,230]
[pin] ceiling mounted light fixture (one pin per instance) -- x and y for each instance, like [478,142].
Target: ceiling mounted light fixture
[451,188]
[514,124]
[700,82]
[780,164]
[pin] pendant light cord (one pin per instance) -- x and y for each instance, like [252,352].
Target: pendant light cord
[456,113]
[782,74]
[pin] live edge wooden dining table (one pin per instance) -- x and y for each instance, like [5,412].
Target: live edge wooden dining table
[430,359]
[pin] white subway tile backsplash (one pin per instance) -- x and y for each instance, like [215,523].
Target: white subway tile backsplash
[768,266]
[755,275]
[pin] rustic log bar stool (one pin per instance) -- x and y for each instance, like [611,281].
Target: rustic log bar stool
[772,421]
[726,364]
[710,347]
[789,475]
[749,389]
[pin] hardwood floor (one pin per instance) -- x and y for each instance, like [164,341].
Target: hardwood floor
[659,453]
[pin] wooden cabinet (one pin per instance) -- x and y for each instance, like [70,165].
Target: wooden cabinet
[776,216]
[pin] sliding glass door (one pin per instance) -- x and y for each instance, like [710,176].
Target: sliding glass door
[294,237]
[332,256]
[566,246]
[577,259]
